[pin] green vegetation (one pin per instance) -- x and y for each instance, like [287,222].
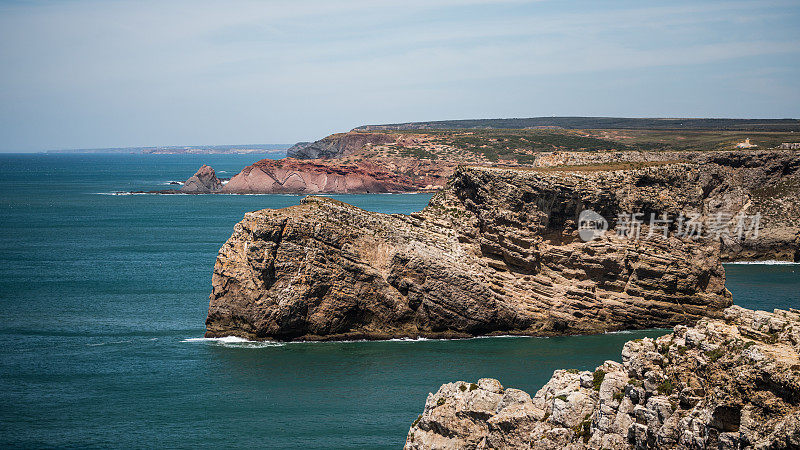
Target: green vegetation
[600,123]
[440,402]
[665,387]
[715,354]
[416,152]
[583,429]
[419,417]
[562,397]
[472,387]
[462,388]
[618,396]
[597,379]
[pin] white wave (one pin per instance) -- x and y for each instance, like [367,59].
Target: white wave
[98,344]
[173,183]
[235,342]
[766,263]
[619,332]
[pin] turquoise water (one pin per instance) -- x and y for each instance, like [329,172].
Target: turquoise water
[103,299]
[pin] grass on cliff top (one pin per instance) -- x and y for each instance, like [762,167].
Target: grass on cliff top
[509,143]
[604,167]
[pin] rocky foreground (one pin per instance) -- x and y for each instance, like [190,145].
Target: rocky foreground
[496,252]
[728,383]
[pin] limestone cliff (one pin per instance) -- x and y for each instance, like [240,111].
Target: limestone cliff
[729,383]
[497,251]
[766,183]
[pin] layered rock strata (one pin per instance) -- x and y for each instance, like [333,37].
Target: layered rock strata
[497,251]
[728,383]
[337,145]
[294,176]
[762,183]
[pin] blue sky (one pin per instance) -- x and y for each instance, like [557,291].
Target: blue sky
[89,74]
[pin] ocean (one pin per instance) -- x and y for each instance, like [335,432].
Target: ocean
[102,306]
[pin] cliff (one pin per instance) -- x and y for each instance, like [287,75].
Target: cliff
[763,183]
[497,251]
[336,145]
[725,383]
[294,176]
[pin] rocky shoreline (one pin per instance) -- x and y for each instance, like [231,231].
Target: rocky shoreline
[728,383]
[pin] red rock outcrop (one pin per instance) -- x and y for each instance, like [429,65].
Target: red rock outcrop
[294,176]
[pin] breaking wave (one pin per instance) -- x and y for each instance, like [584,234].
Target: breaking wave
[234,342]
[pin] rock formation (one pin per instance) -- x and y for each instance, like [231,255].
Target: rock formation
[294,176]
[204,181]
[729,383]
[336,145]
[763,183]
[497,251]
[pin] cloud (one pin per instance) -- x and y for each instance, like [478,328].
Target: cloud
[210,65]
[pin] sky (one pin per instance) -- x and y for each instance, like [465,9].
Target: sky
[99,74]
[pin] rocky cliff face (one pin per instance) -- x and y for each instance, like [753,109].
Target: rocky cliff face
[766,183]
[728,383]
[337,145]
[497,251]
[294,176]
[204,181]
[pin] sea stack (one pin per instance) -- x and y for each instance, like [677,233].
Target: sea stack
[204,181]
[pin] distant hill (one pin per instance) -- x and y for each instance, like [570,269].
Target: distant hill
[187,150]
[782,125]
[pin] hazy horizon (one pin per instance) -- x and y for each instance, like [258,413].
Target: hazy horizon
[88,74]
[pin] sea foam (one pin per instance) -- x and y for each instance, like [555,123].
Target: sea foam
[234,342]
[767,263]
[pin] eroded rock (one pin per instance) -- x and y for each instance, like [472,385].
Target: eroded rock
[737,402]
[497,251]
[204,181]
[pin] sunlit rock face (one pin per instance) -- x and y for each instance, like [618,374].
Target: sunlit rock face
[729,383]
[292,176]
[496,252]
